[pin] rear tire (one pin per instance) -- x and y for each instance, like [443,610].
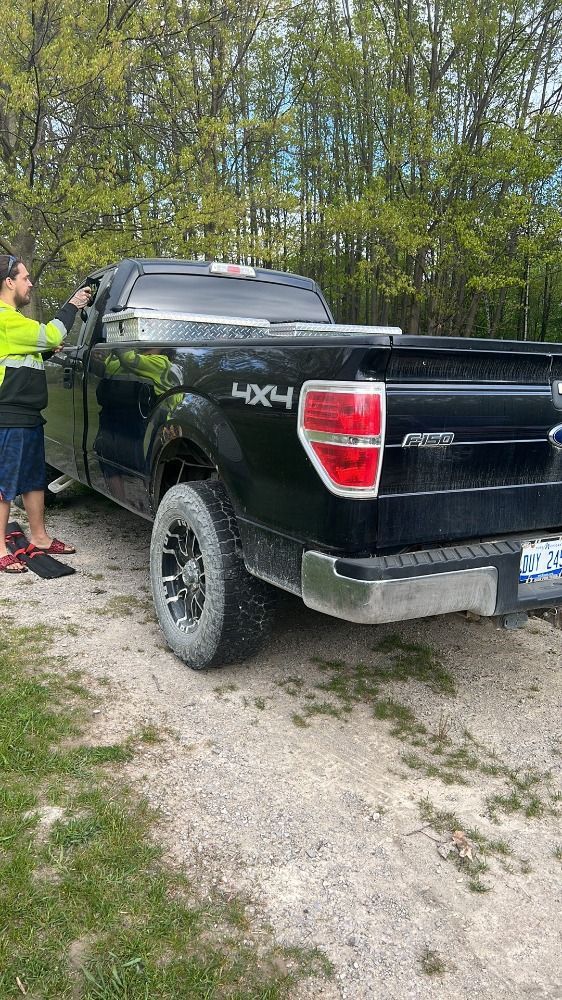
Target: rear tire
[210,609]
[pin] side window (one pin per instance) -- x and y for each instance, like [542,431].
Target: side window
[94,328]
[73,335]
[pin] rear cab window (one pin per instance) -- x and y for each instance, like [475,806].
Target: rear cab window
[240,297]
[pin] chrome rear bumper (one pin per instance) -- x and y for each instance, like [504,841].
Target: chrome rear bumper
[373,602]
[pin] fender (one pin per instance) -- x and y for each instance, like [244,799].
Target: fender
[194,420]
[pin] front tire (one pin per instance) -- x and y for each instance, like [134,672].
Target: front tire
[210,609]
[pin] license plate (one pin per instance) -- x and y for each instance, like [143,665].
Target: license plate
[540,560]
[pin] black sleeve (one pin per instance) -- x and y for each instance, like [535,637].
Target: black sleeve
[67,315]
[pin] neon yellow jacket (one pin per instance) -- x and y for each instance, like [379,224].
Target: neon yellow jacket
[155,367]
[23,341]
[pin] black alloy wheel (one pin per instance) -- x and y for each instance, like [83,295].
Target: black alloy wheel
[210,609]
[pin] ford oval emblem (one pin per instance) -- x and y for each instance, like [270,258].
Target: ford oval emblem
[555,436]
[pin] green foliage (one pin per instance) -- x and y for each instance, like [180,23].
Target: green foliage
[407,157]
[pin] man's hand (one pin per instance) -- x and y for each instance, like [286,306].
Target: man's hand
[81,298]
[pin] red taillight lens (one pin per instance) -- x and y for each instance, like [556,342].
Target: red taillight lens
[341,425]
[347,465]
[342,412]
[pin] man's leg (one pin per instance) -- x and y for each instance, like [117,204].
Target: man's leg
[34,503]
[4,518]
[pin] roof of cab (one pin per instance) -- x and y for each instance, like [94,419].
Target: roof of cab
[172,265]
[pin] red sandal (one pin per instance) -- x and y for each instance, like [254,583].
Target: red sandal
[10,564]
[57,548]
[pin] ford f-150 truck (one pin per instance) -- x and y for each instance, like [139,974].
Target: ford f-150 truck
[377,475]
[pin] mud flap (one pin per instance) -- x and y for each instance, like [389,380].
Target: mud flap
[41,563]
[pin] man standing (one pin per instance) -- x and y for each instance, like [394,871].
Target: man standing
[23,394]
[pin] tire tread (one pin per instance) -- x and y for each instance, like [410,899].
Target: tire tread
[247,602]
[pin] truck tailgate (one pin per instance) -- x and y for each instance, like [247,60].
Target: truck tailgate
[500,473]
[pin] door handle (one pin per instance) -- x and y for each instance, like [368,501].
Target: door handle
[144,399]
[67,378]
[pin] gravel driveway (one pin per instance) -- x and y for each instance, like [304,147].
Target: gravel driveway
[389,794]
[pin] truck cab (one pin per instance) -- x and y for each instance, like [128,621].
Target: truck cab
[72,438]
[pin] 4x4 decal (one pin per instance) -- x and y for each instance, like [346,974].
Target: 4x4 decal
[254,395]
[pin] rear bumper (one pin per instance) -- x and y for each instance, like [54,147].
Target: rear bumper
[483,578]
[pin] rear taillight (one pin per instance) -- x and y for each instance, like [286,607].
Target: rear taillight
[341,425]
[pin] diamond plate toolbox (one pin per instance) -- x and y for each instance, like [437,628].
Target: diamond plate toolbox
[331,330]
[151,326]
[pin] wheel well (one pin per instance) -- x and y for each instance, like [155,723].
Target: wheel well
[182,462]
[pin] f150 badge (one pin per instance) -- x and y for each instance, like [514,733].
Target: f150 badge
[427,440]
[256,395]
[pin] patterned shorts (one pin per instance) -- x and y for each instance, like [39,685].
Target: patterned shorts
[22,461]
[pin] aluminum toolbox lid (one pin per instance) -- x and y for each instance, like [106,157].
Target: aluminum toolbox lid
[154,326]
[156,314]
[331,330]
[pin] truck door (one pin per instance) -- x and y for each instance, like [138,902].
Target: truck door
[90,335]
[59,429]
[64,430]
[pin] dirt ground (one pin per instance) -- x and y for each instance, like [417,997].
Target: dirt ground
[331,809]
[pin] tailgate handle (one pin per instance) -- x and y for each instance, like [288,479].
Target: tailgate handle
[557,394]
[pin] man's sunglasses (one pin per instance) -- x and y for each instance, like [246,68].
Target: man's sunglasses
[12,261]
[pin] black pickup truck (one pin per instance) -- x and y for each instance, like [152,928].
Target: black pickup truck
[379,476]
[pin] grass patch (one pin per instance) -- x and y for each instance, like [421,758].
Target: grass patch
[323,708]
[104,918]
[299,721]
[534,808]
[434,752]
[476,885]
[349,683]
[500,847]
[432,963]
[462,757]
[122,605]
[150,734]
[403,662]
[403,719]
[515,800]
[292,685]
[222,689]
[413,661]
[441,820]
[484,848]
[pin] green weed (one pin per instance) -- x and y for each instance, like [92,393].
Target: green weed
[349,683]
[298,721]
[150,734]
[405,722]
[222,689]
[414,661]
[121,605]
[432,963]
